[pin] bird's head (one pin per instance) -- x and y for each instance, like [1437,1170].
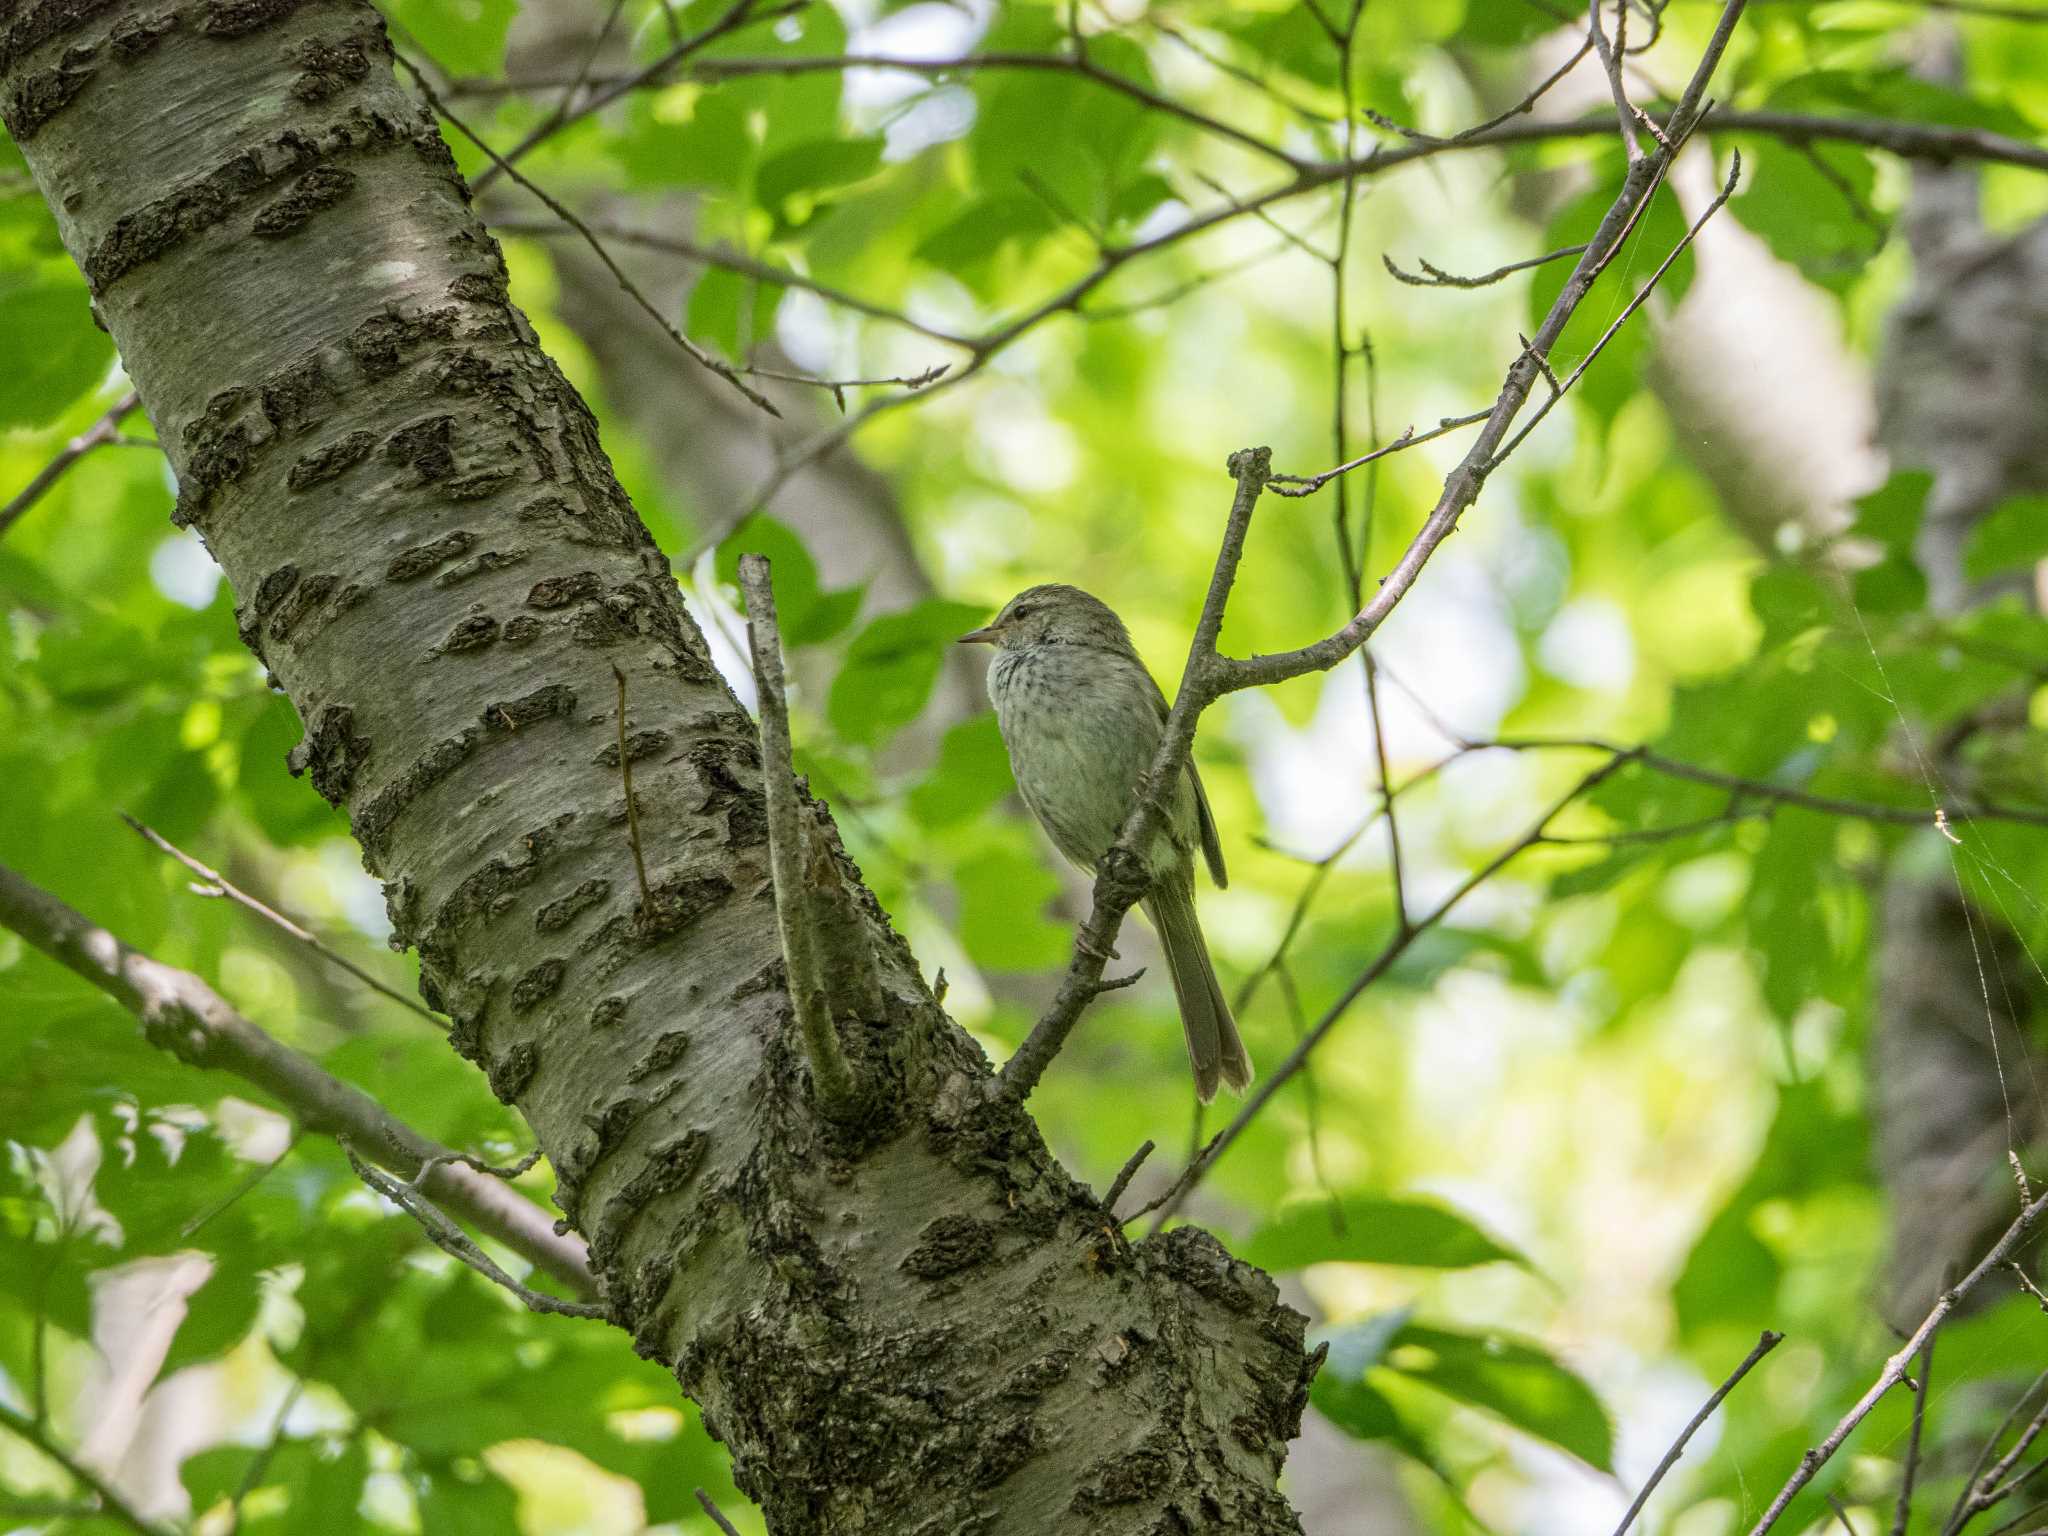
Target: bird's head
[1053,615]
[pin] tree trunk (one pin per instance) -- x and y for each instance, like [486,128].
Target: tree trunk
[917,1325]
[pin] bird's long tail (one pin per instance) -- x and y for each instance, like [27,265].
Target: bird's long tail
[1214,1049]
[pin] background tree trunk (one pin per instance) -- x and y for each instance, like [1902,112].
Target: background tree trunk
[920,1324]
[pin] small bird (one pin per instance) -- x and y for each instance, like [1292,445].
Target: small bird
[1082,720]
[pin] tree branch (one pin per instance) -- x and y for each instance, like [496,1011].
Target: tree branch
[214,883]
[1764,1346]
[106,430]
[838,1094]
[1895,1368]
[456,1243]
[183,1015]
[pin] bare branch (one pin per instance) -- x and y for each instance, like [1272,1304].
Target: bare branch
[1895,1368]
[102,432]
[730,261]
[716,1514]
[1764,1346]
[838,1094]
[562,211]
[1902,1510]
[181,1014]
[1122,1181]
[214,884]
[1610,62]
[456,1243]
[1308,485]
[1433,276]
[1558,391]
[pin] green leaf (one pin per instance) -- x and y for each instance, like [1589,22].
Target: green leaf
[813,168]
[54,351]
[731,311]
[1003,896]
[1812,206]
[465,37]
[971,775]
[1374,1230]
[480,1506]
[891,665]
[1782,911]
[2013,537]
[1517,1381]
[806,614]
[692,137]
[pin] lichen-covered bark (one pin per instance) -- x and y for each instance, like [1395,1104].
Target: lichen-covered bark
[922,1325]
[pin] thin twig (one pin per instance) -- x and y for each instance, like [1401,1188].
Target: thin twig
[102,432]
[1122,1181]
[1558,391]
[1991,1488]
[1433,276]
[456,1243]
[1764,1345]
[838,1094]
[508,1172]
[1902,1510]
[730,261]
[1895,1368]
[2028,1285]
[1398,945]
[1308,485]
[215,884]
[562,211]
[1610,62]
[181,1014]
[717,1515]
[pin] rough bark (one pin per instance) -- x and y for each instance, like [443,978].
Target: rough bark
[918,1325]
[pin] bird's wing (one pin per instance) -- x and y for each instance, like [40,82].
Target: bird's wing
[1205,821]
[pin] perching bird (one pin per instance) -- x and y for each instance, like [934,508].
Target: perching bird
[1082,720]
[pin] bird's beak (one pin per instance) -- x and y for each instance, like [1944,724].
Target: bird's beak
[986,635]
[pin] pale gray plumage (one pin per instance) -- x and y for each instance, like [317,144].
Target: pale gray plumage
[1082,719]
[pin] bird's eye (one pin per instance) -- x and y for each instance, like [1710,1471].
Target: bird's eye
[1024,612]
